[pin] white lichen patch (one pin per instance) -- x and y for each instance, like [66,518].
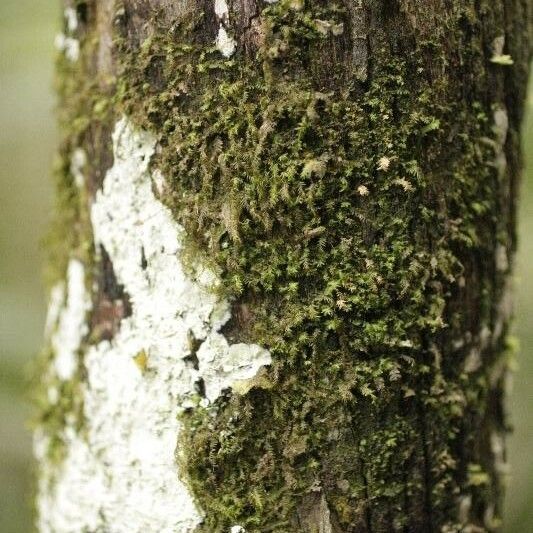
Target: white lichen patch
[221,9]
[69,46]
[224,42]
[56,301]
[71,18]
[121,474]
[222,364]
[78,161]
[70,321]
[67,43]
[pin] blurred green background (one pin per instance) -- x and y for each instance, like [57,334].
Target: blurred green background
[27,140]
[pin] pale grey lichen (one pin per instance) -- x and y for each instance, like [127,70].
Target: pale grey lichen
[78,162]
[69,46]
[71,18]
[66,42]
[71,324]
[224,42]
[121,475]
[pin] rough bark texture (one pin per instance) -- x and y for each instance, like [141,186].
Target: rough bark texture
[349,171]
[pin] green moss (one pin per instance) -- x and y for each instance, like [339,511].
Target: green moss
[349,291]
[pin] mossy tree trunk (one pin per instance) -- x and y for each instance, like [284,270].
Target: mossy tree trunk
[286,230]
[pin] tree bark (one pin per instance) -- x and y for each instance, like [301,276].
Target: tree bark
[281,266]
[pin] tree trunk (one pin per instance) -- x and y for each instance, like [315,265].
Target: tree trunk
[282,265]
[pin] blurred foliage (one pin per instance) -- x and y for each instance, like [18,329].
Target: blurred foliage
[519,515]
[27,140]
